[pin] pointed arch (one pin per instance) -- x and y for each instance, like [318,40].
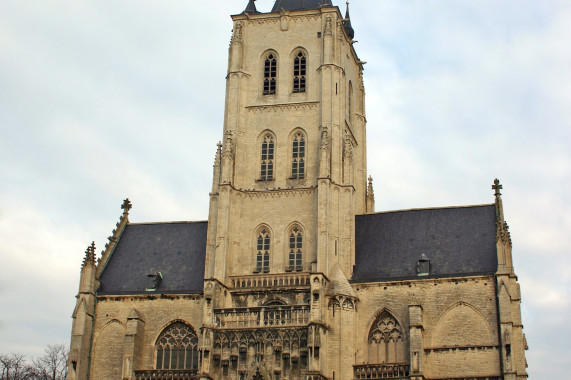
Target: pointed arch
[299,70]
[270,72]
[267,144]
[298,143]
[108,349]
[263,245]
[386,339]
[295,239]
[468,324]
[177,347]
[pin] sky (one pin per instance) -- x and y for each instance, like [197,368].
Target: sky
[102,100]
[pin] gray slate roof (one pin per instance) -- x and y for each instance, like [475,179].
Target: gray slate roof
[458,241]
[177,250]
[294,5]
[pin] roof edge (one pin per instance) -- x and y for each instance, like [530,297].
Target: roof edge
[422,278]
[428,208]
[174,222]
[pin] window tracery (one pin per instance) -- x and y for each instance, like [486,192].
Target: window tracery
[263,251]
[295,249]
[299,72]
[267,158]
[177,347]
[270,74]
[298,156]
[386,340]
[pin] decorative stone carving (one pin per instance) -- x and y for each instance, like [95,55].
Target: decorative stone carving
[328,30]
[237,37]
[305,106]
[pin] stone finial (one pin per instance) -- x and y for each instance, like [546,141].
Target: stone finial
[499,206]
[497,187]
[370,191]
[89,258]
[218,158]
[126,206]
[370,197]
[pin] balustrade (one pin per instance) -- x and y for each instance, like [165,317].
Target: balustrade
[268,281]
[167,374]
[273,316]
[381,371]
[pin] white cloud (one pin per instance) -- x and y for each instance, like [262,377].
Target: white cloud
[103,99]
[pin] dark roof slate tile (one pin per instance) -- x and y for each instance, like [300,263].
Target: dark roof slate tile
[295,5]
[177,250]
[458,241]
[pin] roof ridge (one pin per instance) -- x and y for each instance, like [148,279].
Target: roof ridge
[430,208]
[173,222]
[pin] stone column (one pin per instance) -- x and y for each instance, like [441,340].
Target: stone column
[416,344]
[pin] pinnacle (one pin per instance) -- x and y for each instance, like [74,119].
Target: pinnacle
[89,258]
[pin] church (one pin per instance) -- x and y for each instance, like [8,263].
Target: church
[294,276]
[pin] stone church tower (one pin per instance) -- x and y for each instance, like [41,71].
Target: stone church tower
[294,276]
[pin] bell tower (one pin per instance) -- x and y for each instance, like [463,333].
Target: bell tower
[294,145]
[289,177]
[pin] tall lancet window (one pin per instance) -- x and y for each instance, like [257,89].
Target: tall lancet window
[177,347]
[263,251]
[270,74]
[298,156]
[267,163]
[295,249]
[299,72]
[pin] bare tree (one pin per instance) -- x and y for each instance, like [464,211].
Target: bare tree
[52,365]
[14,367]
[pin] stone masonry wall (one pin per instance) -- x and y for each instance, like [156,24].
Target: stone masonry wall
[459,322]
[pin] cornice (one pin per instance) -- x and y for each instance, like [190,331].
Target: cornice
[301,106]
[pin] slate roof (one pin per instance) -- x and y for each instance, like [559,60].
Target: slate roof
[458,241]
[295,5]
[177,250]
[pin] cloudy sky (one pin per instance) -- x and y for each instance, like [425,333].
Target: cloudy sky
[101,99]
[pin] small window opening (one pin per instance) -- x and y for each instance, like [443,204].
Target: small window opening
[295,250]
[299,72]
[263,252]
[270,74]
[267,164]
[423,266]
[298,156]
[154,280]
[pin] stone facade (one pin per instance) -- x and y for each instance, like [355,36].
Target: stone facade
[279,299]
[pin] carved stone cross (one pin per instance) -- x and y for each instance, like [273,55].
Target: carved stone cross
[497,187]
[126,206]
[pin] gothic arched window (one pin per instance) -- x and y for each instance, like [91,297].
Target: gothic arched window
[299,72]
[270,74]
[386,340]
[267,162]
[263,251]
[177,347]
[295,249]
[298,156]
